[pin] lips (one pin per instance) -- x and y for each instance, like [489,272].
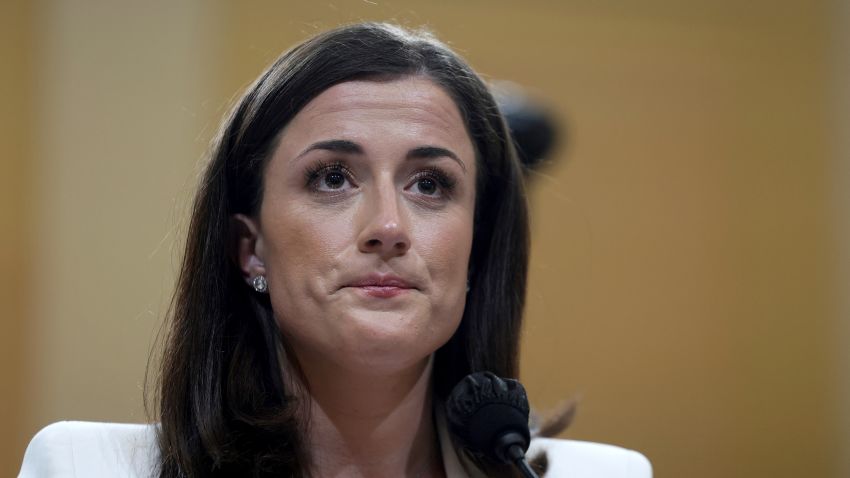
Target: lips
[381,285]
[381,280]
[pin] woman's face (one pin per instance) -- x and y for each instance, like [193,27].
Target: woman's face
[365,227]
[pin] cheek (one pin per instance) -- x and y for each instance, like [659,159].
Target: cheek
[300,249]
[301,252]
[446,250]
[446,246]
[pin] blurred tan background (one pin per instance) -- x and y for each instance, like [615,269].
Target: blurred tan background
[691,261]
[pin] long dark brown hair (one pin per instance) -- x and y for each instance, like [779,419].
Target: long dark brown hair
[223,407]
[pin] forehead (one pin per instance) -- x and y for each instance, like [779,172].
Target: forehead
[417,103]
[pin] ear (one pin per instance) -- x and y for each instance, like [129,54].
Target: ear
[247,246]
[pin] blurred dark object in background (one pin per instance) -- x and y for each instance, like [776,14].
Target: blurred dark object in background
[533,126]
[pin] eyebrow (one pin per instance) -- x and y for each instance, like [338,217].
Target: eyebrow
[345,146]
[433,152]
[335,146]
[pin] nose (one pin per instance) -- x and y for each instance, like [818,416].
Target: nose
[385,230]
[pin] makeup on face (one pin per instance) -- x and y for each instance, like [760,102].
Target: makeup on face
[365,226]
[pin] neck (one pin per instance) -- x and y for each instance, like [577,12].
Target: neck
[365,425]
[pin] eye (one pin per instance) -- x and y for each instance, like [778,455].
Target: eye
[427,186]
[332,180]
[434,183]
[328,177]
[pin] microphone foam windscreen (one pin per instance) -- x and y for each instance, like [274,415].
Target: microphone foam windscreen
[483,407]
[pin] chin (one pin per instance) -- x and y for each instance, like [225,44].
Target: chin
[390,341]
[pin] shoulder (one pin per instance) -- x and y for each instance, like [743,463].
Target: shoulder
[69,449]
[580,459]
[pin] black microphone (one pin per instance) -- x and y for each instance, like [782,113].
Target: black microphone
[489,416]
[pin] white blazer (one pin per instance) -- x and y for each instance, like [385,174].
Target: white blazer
[91,450]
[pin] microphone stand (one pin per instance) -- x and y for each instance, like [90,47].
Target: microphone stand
[521,464]
[514,453]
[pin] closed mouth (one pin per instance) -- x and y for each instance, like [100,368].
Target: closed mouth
[379,281]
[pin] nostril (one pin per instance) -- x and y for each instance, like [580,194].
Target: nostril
[373,243]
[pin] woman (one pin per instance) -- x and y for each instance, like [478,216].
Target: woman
[358,244]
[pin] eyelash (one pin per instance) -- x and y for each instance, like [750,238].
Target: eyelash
[444,180]
[315,173]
